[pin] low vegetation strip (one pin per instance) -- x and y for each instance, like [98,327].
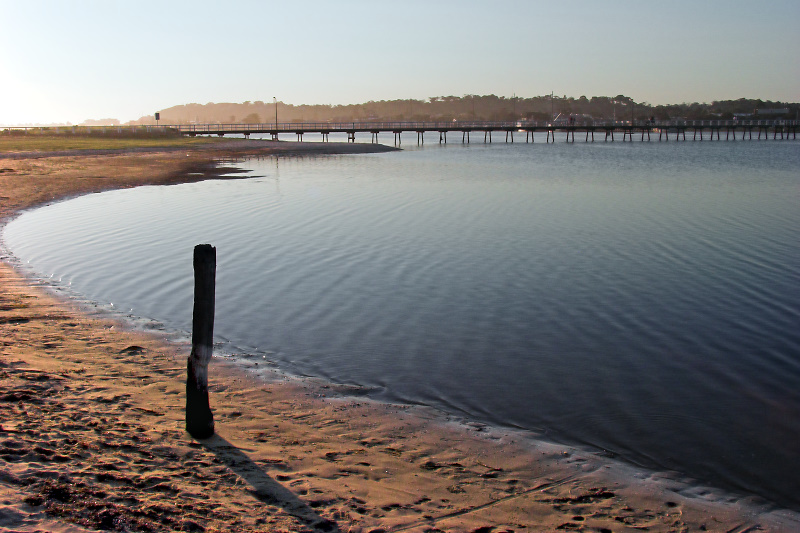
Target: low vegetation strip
[51,142]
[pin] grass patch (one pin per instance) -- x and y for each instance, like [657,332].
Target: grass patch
[16,141]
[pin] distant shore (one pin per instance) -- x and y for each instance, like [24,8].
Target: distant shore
[91,420]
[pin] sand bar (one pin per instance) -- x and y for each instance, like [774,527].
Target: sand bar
[91,423]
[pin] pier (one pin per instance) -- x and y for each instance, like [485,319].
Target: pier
[626,131]
[607,130]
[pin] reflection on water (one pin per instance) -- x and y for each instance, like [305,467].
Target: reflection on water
[642,298]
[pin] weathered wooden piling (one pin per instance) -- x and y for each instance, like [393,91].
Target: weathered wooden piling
[199,419]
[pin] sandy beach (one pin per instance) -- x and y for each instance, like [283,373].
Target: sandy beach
[92,429]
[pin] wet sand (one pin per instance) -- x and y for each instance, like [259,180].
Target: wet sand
[91,425]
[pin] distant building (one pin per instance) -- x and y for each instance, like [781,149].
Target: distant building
[772,111]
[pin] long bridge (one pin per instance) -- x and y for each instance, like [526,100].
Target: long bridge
[607,129]
[699,129]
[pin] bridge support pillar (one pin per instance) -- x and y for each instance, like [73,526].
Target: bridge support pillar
[609,133]
[442,137]
[511,133]
[273,136]
[299,136]
[373,136]
[551,133]
[573,135]
[528,132]
[325,136]
[420,137]
[464,135]
[489,133]
[397,139]
[351,136]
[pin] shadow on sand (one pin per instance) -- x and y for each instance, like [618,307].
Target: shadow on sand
[264,487]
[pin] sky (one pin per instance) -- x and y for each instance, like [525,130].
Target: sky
[68,61]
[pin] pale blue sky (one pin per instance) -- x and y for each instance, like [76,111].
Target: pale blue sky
[74,60]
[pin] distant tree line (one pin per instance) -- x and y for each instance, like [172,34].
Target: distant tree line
[472,107]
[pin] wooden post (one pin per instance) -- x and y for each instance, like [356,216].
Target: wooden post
[199,419]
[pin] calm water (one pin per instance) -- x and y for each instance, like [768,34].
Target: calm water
[639,298]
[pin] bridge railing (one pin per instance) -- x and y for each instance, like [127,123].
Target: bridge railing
[291,127]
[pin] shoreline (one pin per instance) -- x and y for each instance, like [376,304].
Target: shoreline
[289,455]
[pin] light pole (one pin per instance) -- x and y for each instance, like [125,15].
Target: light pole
[275,100]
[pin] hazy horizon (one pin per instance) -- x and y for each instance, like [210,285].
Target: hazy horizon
[72,62]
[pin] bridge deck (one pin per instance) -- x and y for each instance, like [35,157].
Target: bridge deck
[461,126]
